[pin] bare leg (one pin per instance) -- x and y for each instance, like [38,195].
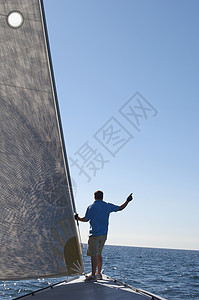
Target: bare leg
[93,264]
[99,263]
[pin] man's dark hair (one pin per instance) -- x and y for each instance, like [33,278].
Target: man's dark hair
[98,195]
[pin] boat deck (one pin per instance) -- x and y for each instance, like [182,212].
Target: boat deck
[104,289]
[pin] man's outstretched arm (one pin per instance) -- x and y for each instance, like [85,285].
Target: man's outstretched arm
[80,219]
[129,198]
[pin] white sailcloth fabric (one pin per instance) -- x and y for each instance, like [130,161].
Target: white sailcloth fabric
[38,236]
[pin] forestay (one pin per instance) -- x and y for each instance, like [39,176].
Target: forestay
[38,237]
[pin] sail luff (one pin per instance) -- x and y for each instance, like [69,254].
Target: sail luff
[56,103]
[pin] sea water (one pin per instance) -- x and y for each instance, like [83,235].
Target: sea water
[172,274]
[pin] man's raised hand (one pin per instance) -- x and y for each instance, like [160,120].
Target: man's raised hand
[130,197]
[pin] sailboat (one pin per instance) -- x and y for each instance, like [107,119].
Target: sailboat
[39,236]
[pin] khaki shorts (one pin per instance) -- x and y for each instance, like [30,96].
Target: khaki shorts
[96,244]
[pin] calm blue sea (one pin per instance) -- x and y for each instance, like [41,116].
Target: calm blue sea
[172,274]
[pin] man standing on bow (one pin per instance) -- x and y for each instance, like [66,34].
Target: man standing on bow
[98,216]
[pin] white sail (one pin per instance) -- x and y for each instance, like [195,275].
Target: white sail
[38,236]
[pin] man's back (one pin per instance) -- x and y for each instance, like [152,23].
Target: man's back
[98,215]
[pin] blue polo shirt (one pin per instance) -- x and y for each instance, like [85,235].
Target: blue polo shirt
[98,216]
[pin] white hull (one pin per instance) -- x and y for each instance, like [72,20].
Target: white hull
[105,289]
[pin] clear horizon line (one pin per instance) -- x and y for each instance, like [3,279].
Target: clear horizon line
[149,247]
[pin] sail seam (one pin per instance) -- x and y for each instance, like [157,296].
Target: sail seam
[24,88]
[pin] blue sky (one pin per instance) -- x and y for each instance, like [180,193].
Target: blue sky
[112,59]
